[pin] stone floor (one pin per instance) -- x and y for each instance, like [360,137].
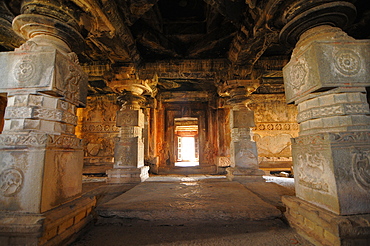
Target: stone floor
[193,210]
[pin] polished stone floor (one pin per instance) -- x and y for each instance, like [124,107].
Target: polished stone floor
[194,210]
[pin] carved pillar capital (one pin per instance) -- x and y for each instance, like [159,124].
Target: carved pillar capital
[130,100]
[49,23]
[303,15]
[238,92]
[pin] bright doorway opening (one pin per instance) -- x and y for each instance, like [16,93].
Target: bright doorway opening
[187,148]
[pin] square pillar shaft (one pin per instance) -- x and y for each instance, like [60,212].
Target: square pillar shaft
[326,78]
[40,157]
[129,150]
[243,147]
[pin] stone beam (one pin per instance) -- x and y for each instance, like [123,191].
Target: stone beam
[108,32]
[135,9]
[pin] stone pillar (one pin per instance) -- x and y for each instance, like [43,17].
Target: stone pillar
[129,149]
[326,78]
[243,149]
[40,157]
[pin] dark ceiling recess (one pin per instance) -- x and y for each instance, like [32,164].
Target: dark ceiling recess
[182,10]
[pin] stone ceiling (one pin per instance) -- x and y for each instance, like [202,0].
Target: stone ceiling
[184,44]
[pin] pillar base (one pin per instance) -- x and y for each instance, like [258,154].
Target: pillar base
[128,175]
[322,227]
[59,226]
[249,174]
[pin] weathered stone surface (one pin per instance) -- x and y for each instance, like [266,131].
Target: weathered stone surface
[331,171]
[129,152]
[97,127]
[275,126]
[193,201]
[327,64]
[128,174]
[54,227]
[31,179]
[45,71]
[130,118]
[322,227]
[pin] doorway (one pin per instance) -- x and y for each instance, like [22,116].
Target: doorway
[187,147]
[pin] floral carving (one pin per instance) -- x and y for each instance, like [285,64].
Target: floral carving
[347,62]
[298,75]
[24,69]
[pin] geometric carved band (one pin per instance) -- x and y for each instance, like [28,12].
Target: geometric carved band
[349,138]
[40,113]
[275,126]
[40,140]
[333,110]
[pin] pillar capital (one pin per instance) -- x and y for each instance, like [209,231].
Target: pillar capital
[49,23]
[238,92]
[303,15]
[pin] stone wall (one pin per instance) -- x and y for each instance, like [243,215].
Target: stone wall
[275,125]
[97,127]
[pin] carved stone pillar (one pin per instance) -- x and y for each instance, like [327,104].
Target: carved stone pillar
[243,149]
[40,157]
[129,149]
[326,78]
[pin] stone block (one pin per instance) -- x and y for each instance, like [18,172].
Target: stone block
[130,117]
[127,175]
[332,170]
[326,228]
[243,118]
[245,154]
[130,132]
[21,172]
[335,124]
[129,153]
[62,177]
[43,71]
[326,64]
[223,161]
[36,174]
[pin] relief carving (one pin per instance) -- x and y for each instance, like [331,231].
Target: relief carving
[29,139]
[273,145]
[64,141]
[311,168]
[298,74]
[347,62]
[11,181]
[24,69]
[361,168]
[71,84]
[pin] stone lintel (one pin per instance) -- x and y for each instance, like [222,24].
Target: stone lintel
[331,171]
[185,96]
[322,227]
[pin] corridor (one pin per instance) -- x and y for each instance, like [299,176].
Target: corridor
[194,210]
